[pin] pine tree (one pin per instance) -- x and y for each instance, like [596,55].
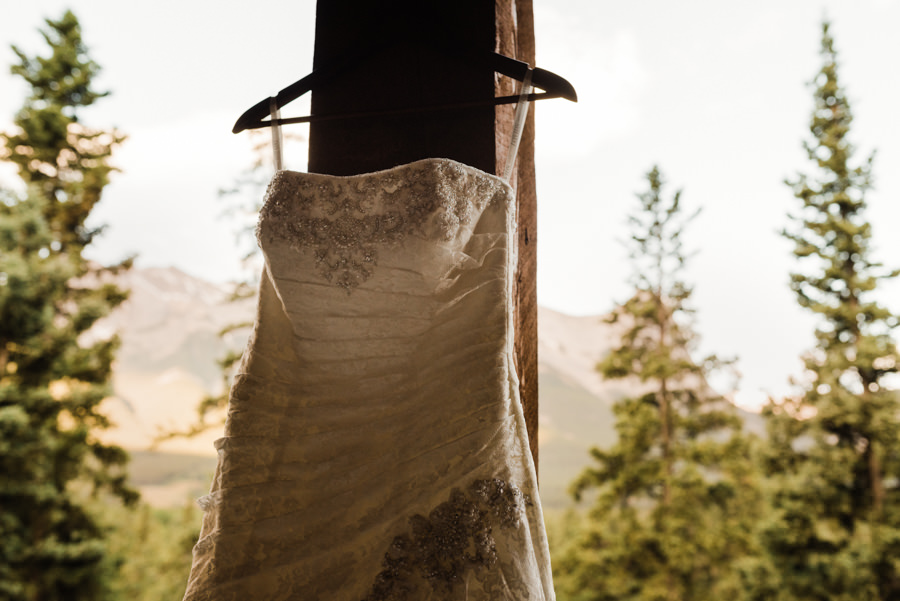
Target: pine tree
[54,373]
[674,495]
[67,162]
[834,452]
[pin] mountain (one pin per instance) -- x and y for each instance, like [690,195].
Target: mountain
[575,403]
[169,328]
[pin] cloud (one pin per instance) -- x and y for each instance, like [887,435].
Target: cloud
[607,74]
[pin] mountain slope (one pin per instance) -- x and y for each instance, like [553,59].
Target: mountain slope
[166,364]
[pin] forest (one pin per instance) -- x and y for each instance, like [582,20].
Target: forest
[686,504]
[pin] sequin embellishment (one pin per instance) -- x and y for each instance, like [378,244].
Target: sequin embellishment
[343,221]
[457,536]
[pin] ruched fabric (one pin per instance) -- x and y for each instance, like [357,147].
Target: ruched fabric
[375,446]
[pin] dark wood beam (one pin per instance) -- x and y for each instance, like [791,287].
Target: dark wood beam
[400,64]
[396,56]
[515,34]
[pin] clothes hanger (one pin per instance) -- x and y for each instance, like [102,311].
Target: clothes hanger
[553,86]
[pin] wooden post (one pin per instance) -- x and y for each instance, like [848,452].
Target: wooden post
[400,65]
[516,39]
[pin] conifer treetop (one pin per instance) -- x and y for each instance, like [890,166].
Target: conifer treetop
[63,77]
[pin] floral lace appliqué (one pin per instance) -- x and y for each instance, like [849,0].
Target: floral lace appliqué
[343,221]
[456,537]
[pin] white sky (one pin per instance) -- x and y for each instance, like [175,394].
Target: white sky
[714,92]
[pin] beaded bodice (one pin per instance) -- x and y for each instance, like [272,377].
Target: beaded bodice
[343,222]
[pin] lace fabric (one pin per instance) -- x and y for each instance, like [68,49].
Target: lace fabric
[375,447]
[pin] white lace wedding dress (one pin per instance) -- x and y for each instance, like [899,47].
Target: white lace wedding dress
[375,447]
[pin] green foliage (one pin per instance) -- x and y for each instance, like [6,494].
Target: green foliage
[150,550]
[53,373]
[65,161]
[675,496]
[833,458]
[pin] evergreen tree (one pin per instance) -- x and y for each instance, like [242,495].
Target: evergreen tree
[54,373]
[834,453]
[674,495]
[67,162]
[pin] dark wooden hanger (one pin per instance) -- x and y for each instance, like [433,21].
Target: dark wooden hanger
[553,86]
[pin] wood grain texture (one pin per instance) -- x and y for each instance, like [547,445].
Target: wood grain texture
[515,37]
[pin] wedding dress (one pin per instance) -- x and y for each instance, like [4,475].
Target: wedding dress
[375,447]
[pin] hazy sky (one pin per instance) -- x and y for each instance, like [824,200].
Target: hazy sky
[713,92]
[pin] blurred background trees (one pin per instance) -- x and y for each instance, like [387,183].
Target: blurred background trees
[64,494]
[53,374]
[686,507]
[675,498]
[833,458]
